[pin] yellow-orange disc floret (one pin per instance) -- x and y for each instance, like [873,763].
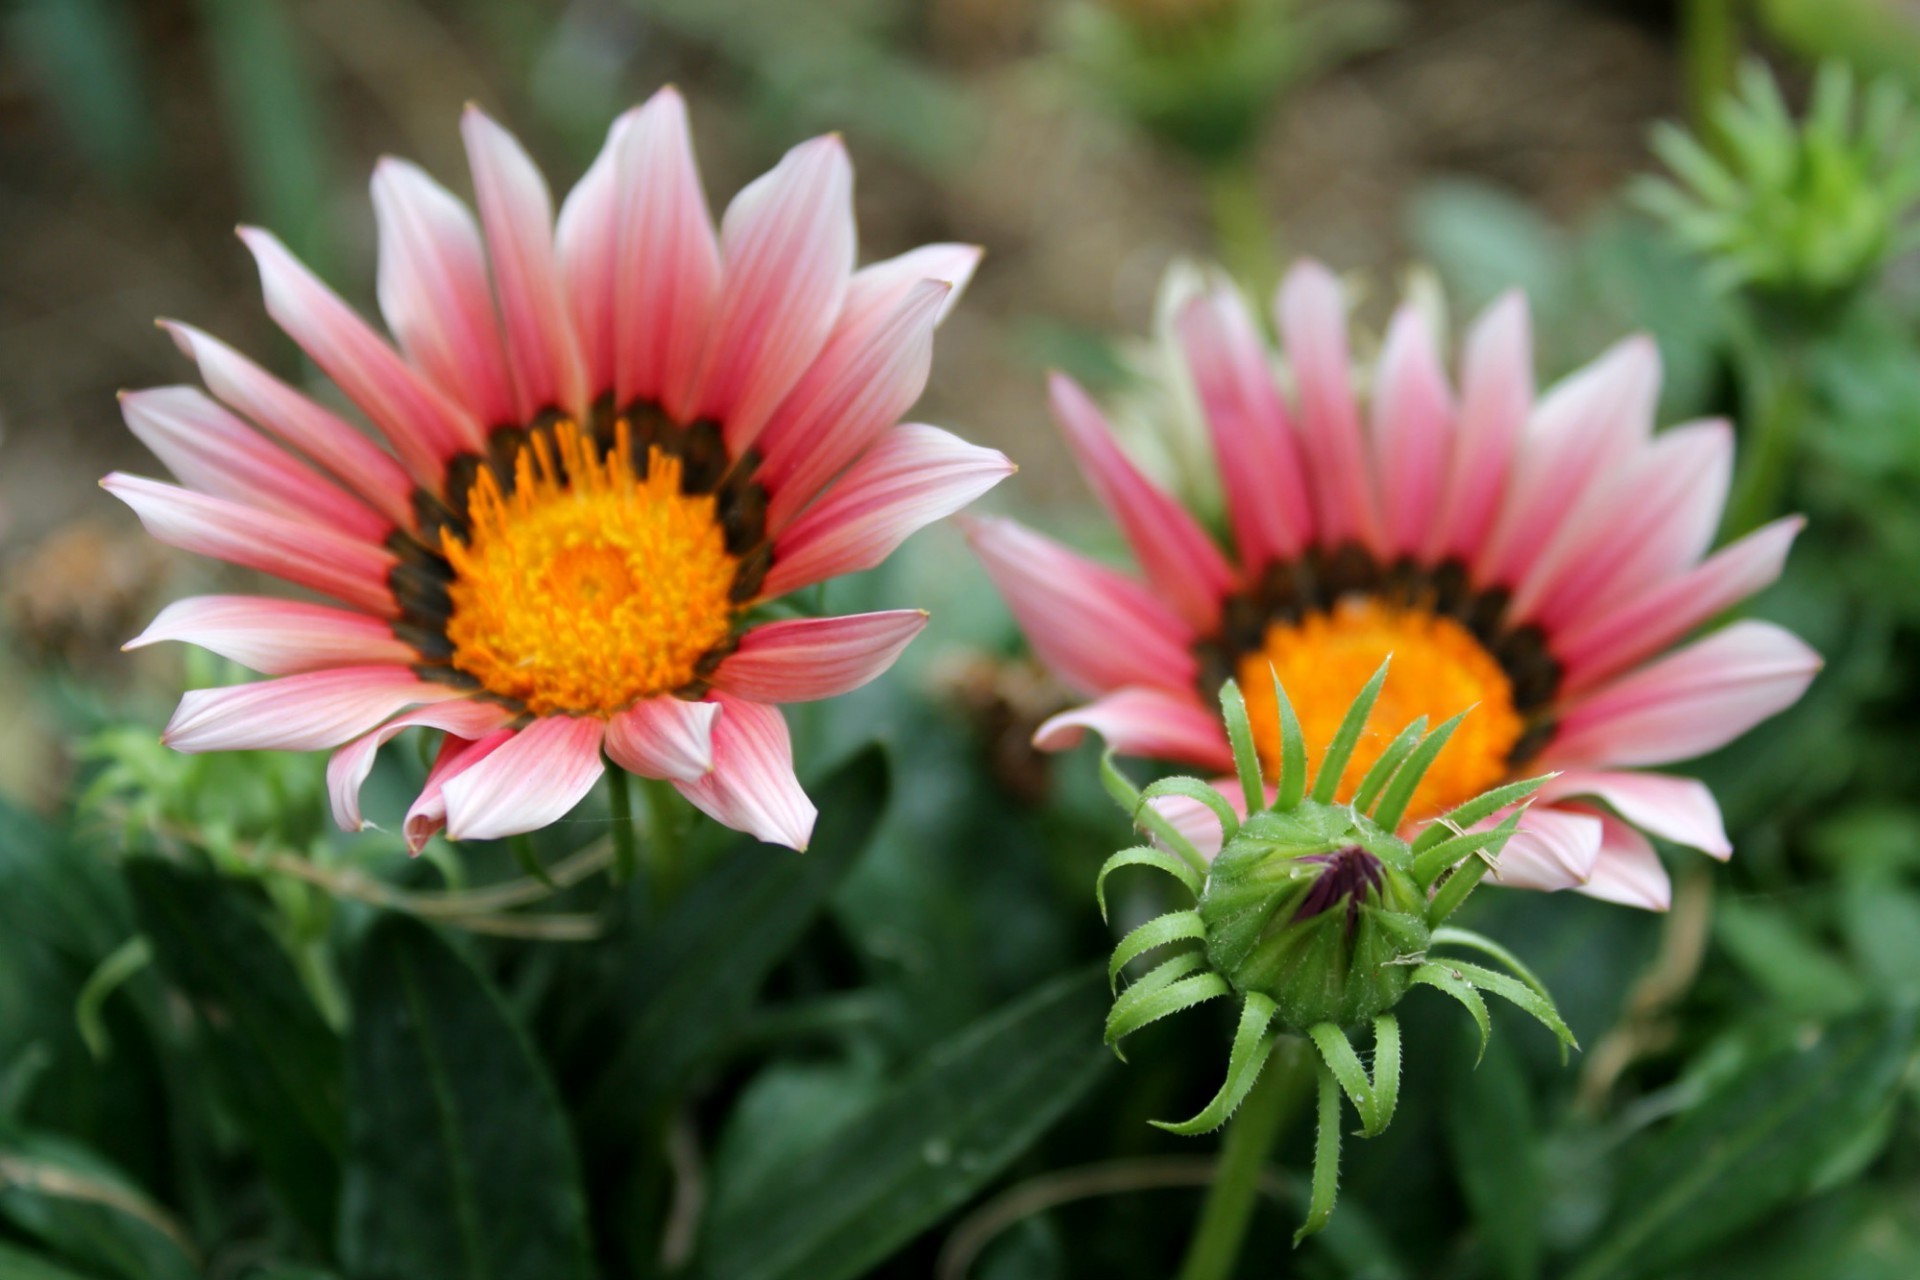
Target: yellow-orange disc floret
[587,588]
[1438,671]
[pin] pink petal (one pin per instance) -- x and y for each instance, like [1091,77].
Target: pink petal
[1412,431]
[665,277]
[807,659]
[348,769]
[309,712]
[1180,560]
[752,787]
[1199,823]
[881,285]
[424,426]
[1097,629]
[299,422]
[1652,521]
[530,782]
[1260,465]
[915,475]
[1495,397]
[1313,321]
[872,370]
[787,243]
[1628,871]
[1597,647]
[434,291]
[348,569]
[517,212]
[1682,810]
[1585,427]
[1553,849]
[1156,723]
[665,737]
[277,637]
[1689,702]
[586,247]
[213,452]
[428,813]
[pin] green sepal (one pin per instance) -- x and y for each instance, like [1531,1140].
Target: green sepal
[1145,816]
[1175,926]
[1466,877]
[1252,1046]
[1144,855]
[1518,993]
[1127,1017]
[1478,809]
[1246,758]
[1292,787]
[1428,866]
[1453,936]
[1326,1158]
[1375,1099]
[1399,794]
[1200,793]
[1390,760]
[1440,978]
[1334,763]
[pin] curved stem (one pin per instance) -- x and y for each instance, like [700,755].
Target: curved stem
[1777,382]
[626,850]
[1276,1096]
[1242,228]
[1710,52]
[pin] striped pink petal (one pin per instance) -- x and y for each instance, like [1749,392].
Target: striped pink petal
[915,475]
[1689,702]
[280,410]
[1584,427]
[1412,431]
[517,212]
[879,286]
[1096,628]
[586,238]
[666,737]
[348,569]
[1628,871]
[752,787]
[213,452]
[666,276]
[309,712]
[427,814]
[1313,322]
[529,782]
[349,767]
[787,245]
[1179,559]
[277,637]
[872,370]
[807,659]
[434,291]
[1553,849]
[423,425]
[1260,466]
[1682,810]
[1600,646]
[1158,723]
[1496,395]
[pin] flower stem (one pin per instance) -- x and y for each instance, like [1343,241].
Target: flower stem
[1778,384]
[1224,1219]
[663,839]
[1242,229]
[626,850]
[1710,52]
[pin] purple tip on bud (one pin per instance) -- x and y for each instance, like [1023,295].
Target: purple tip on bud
[1350,874]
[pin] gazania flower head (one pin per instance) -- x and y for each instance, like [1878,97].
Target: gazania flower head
[612,439]
[1534,558]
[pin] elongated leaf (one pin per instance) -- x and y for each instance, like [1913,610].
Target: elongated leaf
[971,1107]
[1399,793]
[1293,752]
[1175,926]
[460,1162]
[1491,1132]
[1390,760]
[77,1204]
[1246,758]
[1326,1157]
[1176,997]
[274,1059]
[1201,794]
[1753,1146]
[1441,978]
[1144,855]
[18,1264]
[1252,1046]
[682,990]
[1334,762]
[1145,816]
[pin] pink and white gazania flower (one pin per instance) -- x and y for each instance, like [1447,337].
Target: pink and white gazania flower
[1537,559]
[612,439]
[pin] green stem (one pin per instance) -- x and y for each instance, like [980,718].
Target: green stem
[1228,1212]
[626,851]
[1710,52]
[1777,382]
[1242,226]
[663,839]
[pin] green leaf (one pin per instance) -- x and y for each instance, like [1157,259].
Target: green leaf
[1200,793]
[1293,751]
[76,1203]
[683,988]
[1881,918]
[1514,991]
[1478,809]
[972,1106]
[1490,1129]
[1128,1016]
[1753,1146]
[460,1164]
[1145,816]
[1779,956]
[1175,926]
[1144,855]
[1441,978]
[1246,759]
[273,1059]
[1390,760]
[1252,1046]
[1374,1099]
[18,1264]
[1326,1157]
[1334,762]
[1399,793]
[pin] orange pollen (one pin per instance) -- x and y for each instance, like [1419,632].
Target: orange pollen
[589,586]
[1438,671]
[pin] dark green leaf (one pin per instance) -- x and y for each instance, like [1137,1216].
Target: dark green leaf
[460,1161]
[686,986]
[972,1106]
[274,1061]
[1882,922]
[1491,1131]
[18,1264]
[1752,1147]
[77,1204]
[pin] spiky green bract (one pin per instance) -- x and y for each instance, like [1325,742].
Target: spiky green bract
[1343,963]
[1317,916]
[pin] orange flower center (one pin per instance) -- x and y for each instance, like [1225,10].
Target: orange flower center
[1439,670]
[589,586]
